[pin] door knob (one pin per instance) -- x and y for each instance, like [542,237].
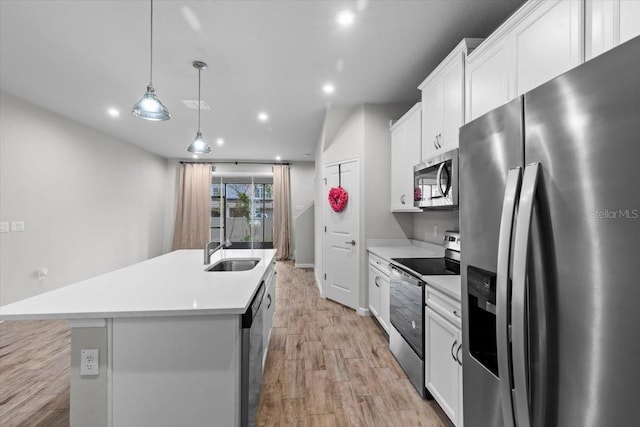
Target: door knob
[352,243]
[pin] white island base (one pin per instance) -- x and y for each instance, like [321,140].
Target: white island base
[159,371]
[169,338]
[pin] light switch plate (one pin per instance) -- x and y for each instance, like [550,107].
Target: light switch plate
[17,226]
[4,227]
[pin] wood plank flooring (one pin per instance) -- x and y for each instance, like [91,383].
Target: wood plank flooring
[326,366]
[34,373]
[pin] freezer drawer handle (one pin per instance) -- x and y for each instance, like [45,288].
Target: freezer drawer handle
[518,300]
[511,193]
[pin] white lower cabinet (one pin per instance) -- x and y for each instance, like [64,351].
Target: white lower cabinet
[443,355]
[379,290]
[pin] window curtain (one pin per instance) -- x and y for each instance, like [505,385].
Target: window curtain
[193,216]
[281,211]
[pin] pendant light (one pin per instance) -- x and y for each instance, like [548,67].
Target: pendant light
[199,146]
[150,107]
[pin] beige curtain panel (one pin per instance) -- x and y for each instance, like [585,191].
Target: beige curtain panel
[281,211]
[193,216]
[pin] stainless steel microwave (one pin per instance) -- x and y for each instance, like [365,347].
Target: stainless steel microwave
[436,182]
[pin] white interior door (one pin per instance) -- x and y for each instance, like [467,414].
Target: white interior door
[341,238]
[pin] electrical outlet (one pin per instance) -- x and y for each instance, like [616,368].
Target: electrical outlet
[89,362]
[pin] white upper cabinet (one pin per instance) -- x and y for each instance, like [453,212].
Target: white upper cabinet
[405,153]
[541,40]
[443,101]
[610,23]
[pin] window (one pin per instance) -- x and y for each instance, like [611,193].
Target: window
[247,210]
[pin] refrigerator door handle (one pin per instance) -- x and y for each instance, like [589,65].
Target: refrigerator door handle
[511,193]
[519,297]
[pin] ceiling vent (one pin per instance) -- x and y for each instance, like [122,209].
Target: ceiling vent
[192,104]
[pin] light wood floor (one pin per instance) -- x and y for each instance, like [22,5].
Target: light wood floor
[34,373]
[326,366]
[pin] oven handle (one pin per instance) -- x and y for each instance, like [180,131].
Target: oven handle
[406,277]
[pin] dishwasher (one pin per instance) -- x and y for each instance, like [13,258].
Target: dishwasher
[251,367]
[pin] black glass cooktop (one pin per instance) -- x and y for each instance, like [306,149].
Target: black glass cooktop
[430,266]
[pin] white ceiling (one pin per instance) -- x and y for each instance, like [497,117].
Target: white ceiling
[78,58]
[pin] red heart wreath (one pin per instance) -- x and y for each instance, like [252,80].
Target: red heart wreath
[338,198]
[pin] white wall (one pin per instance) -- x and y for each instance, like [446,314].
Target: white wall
[302,177]
[90,203]
[364,135]
[423,223]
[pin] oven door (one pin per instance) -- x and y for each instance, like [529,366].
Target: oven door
[436,182]
[407,308]
[406,339]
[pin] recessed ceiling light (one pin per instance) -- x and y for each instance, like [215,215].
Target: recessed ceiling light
[113,112]
[195,156]
[220,141]
[278,158]
[328,88]
[263,117]
[345,18]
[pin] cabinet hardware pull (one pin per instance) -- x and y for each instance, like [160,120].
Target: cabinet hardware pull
[453,355]
[435,142]
[458,352]
[268,300]
[402,199]
[376,281]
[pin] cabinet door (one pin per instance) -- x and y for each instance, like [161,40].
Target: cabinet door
[384,318]
[431,117]
[405,153]
[547,43]
[452,103]
[609,23]
[374,291]
[629,18]
[442,371]
[398,192]
[488,80]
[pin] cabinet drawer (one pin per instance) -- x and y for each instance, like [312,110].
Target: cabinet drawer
[379,263]
[444,305]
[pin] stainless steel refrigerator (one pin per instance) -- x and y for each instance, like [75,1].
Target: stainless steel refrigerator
[550,225]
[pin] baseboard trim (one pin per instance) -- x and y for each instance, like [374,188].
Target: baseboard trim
[296,265]
[363,311]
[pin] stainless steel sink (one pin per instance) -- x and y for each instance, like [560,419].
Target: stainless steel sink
[234,264]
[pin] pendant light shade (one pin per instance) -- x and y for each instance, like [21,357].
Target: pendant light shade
[149,107]
[199,145]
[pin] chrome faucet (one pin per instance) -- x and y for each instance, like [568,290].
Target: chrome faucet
[208,251]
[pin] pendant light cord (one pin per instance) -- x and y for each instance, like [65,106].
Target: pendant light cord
[151,49]
[199,102]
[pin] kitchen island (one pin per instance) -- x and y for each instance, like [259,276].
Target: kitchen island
[168,334]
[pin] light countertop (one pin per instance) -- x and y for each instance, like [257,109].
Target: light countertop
[174,284]
[450,285]
[401,248]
